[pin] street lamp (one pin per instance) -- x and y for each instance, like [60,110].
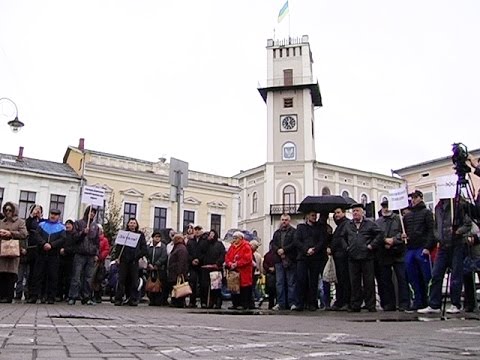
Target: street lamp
[14,124]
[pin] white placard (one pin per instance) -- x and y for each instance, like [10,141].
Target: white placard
[127,238]
[93,195]
[446,187]
[398,199]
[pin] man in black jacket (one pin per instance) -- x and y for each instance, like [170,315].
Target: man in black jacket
[50,237]
[311,245]
[283,246]
[363,237]
[195,247]
[391,256]
[338,249]
[420,240]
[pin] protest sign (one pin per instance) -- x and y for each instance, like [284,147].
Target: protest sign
[398,199]
[127,238]
[93,195]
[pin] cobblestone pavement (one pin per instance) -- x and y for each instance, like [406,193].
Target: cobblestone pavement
[106,332]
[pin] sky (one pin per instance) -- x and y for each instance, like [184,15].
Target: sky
[150,79]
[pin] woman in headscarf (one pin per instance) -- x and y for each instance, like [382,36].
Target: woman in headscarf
[239,258]
[177,266]
[11,227]
[211,261]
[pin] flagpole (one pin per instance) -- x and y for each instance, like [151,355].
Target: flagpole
[289,23]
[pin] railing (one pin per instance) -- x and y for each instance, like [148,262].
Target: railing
[279,209]
[295,81]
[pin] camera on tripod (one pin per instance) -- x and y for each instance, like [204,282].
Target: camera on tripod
[459,159]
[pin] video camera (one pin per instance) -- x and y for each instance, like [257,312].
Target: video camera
[459,159]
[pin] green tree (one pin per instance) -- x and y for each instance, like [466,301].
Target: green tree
[113,219]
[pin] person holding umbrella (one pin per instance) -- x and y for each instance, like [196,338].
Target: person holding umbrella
[311,244]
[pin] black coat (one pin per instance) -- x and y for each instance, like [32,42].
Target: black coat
[129,254]
[392,228]
[338,245]
[419,227]
[195,248]
[288,245]
[311,236]
[177,262]
[358,239]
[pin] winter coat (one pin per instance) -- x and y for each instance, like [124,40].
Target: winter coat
[392,228]
[288,245]
[129,254]
[419,227]
[195,248]
[87,244]
[338,246]
[177,263]
[358,239]
[242,255]
[52,233]
[104,248]
[19,232]
[70,243]
[311,236]
[214,253]
[443,225]
[157,255]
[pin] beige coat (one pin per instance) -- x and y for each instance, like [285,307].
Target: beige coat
[19,232]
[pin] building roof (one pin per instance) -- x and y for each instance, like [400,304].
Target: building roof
[26,164]
[431,163]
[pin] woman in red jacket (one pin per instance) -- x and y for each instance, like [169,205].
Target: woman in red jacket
[100,271]
[239,258]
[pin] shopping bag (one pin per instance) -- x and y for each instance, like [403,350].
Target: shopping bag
[182,289]
[329,274]
[233,282]
[10,248]
[215,280]
[153,284]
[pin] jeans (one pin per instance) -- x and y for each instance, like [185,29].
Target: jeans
[82,276]
[389,289]
[285,285]
[447,257]
[22,283]
[418,275]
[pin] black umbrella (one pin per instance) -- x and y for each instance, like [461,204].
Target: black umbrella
[325,203]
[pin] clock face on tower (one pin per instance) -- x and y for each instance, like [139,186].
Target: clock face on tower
[288,123]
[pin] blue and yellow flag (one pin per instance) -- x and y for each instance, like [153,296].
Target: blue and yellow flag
[283,11]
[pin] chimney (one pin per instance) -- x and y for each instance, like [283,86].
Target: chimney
[81,144]
[20,154]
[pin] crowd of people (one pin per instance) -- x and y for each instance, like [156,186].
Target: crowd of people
[401,261]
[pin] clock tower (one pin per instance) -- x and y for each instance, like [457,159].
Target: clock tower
[291,94]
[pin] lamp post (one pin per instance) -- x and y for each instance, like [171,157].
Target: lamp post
[14,124]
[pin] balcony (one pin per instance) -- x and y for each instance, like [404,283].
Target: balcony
[296,82]
[279,209]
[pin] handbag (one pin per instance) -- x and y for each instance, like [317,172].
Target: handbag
[329,273]
[153,284]
[182,288]
[10,248]
[233,281]
[215,280]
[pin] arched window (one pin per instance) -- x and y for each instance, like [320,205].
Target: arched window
[289,198]
[345,193]
[239,207]
[326,191]
[254,202]
[364,199]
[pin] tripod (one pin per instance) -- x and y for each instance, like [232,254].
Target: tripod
[462,211]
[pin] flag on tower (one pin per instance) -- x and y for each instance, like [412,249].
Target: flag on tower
[283,11]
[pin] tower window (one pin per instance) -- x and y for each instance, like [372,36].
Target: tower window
[287,77]
[288,102]
[254,202]
[288,52]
